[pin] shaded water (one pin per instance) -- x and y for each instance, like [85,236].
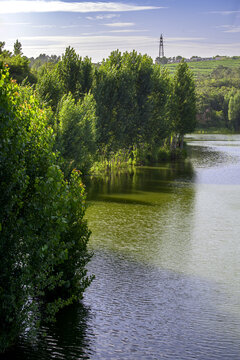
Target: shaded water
[166,258]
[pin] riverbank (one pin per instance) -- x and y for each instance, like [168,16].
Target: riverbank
[213,130]
[141,156]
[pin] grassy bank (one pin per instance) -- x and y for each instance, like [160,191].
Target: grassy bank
[223,131]
[125,159]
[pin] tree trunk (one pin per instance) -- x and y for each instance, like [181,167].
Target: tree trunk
[181,141]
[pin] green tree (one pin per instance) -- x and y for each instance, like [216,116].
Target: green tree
[68,69]
[75,74]
[2,44]
[183,102]
[159,123]
[17,48]
[49,88]
[141,67]
[116,103]
[234,111]
[122,89]
[18,67]
[43,247]
[76,131]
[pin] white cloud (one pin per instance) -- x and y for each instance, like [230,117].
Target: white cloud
[91,42]
[68,26]
[107,16]
[99,46]
[223,26]
[120,24]
[84,39]
[126,31]
[43,26]
[185,39]
[16,23]
[225,12]
[19,6]
[102,17]
[229,28]
[233,29]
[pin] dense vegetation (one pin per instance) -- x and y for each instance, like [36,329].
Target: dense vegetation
[218,99]
[43,243]
[218,93]
[123,111]
[126,110]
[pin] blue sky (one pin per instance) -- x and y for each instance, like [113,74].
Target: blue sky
[95,28]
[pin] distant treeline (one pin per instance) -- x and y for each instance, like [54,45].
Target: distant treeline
[218,99]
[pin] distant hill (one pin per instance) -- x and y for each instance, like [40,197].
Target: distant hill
[200,68]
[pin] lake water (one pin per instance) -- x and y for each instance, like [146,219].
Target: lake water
[166,242]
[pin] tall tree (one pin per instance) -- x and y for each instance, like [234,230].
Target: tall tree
[122,89]
[183,102]
[69,74]
[49,87]
[234,110]
[17,48]
[75,74]
[76,134]
[159,123]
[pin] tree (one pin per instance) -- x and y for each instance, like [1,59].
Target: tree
[179,57]
[122,89]
[17,48]
[43,247]
[234,110]
[76,132]
[49,88]
[161,60]
[68,69]
[75,74]
[2,44]
[183,105]
[159,124]
[18,67]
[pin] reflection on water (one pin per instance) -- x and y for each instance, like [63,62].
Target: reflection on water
[68,338]
[166,244]
[140,183]
[144,221]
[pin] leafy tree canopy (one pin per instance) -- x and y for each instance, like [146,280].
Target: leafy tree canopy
[43,247]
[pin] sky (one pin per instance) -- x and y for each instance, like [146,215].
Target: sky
[95,28]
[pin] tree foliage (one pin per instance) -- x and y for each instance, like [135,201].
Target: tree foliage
[18,65]
[75,74]
[183,101]
[49,88]
[213,97]
[234,110]
[76,131]
[43,247]
[17,48]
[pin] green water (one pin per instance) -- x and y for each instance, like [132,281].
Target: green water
[183,216]
[166,242]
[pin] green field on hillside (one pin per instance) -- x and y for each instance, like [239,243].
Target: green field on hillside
[200,68]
